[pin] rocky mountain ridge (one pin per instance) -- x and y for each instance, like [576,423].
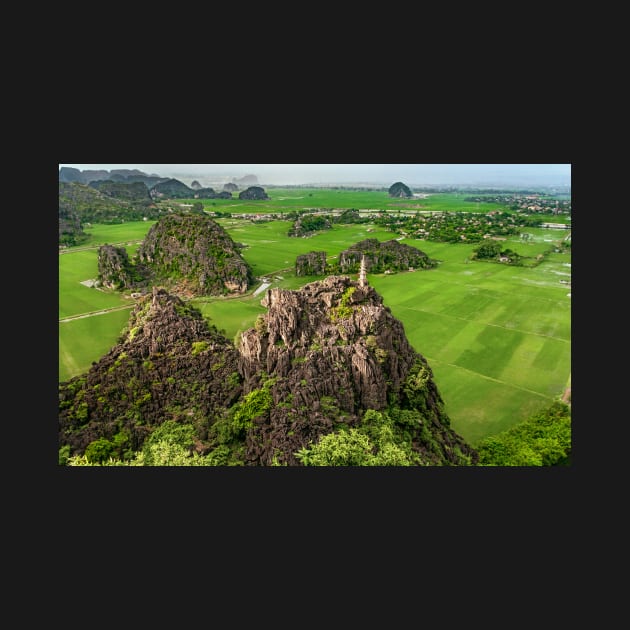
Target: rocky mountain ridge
[321,361]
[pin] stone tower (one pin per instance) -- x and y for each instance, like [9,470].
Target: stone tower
[362,273]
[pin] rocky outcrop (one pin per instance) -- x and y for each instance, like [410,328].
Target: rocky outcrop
[383,256]
[115,270]
[230,187]
[254,193]
[308,224]
[311,264]
[194,255]
[350,216]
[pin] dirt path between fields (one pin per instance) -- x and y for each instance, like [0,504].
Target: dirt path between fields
[104,311]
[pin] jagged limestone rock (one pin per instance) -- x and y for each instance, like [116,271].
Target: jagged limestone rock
[315,363]
[311,264]
[114,268]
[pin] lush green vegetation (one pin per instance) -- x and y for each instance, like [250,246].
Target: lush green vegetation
[382,439]
[377,442]
[497,337]
[286,200]
[170,444]
[542,440]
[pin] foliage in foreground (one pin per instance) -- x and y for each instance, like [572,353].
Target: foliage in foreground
[542,440]
[380,440]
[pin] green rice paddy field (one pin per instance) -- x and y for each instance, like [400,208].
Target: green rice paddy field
[498,338]
[285,200]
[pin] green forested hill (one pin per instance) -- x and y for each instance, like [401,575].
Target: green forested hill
[135,192]
[93,206]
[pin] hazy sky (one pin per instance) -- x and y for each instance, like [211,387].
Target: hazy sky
[411,174]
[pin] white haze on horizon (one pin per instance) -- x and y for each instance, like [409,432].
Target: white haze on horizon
[379,174]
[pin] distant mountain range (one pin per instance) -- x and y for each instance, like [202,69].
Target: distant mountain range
[68,174]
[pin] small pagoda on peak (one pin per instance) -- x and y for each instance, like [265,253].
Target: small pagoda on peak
[363,273]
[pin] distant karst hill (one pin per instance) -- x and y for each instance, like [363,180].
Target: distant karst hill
[246,180]
[254,193]
[210,193]
[172,189]
[399,189]
[380,257]
[325,377]
[135,192]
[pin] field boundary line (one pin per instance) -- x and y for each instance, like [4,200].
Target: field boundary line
[93,313]
[488,378]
